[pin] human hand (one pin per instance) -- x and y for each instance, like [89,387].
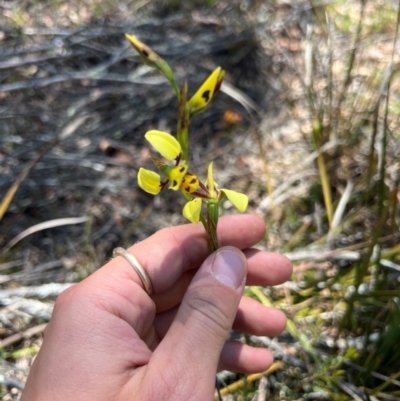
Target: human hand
[108,340]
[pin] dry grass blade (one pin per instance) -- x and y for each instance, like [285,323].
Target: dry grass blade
[339,212]
[65,133]
[6,201]
[44,226]
[240,97]
[386,384]
[326,188]
[249,379]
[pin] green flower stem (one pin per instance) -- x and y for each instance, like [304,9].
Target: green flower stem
[162,66]
[209,226]
[212,222]
[212,237]
[175,86]
[183,122]
[211,230]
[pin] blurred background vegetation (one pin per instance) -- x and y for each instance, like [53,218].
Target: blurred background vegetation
[307,124]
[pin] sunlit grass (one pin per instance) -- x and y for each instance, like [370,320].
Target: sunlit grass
[354,299]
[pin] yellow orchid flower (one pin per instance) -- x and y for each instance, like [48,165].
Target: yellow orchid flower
[165,144]
[192,210]
[240,201]
[149,56]
[206,92]
[149,181]
[152,59]
[174,168]
[190,183]
[212,196]
[177,176]
[211,185]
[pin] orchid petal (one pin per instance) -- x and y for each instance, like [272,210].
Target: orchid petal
[164,143]
[210,183]
[238,200]
[149,181]
[147,55]
[206,92]
[175,175]
[192,210]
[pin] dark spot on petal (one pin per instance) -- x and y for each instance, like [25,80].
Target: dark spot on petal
[187,189]
[174,183]
[193,180]
[206,96]
[182,169]
[145,53]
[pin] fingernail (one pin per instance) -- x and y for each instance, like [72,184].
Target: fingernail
[229,267]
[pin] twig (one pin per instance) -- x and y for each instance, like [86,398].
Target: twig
[32,308]
[14,338]
[317,395]
[322,254]
[374,374]
[19,61]
[354,392]
[278,351]
[33,274]
[263,391]
[10,265]
[92,73]
[11,382]
[42,291]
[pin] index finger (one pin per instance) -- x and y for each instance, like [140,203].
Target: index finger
[170,252]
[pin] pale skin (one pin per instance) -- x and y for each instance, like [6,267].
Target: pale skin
[109,340]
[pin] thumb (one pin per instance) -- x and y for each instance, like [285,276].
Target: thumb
[193,344]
